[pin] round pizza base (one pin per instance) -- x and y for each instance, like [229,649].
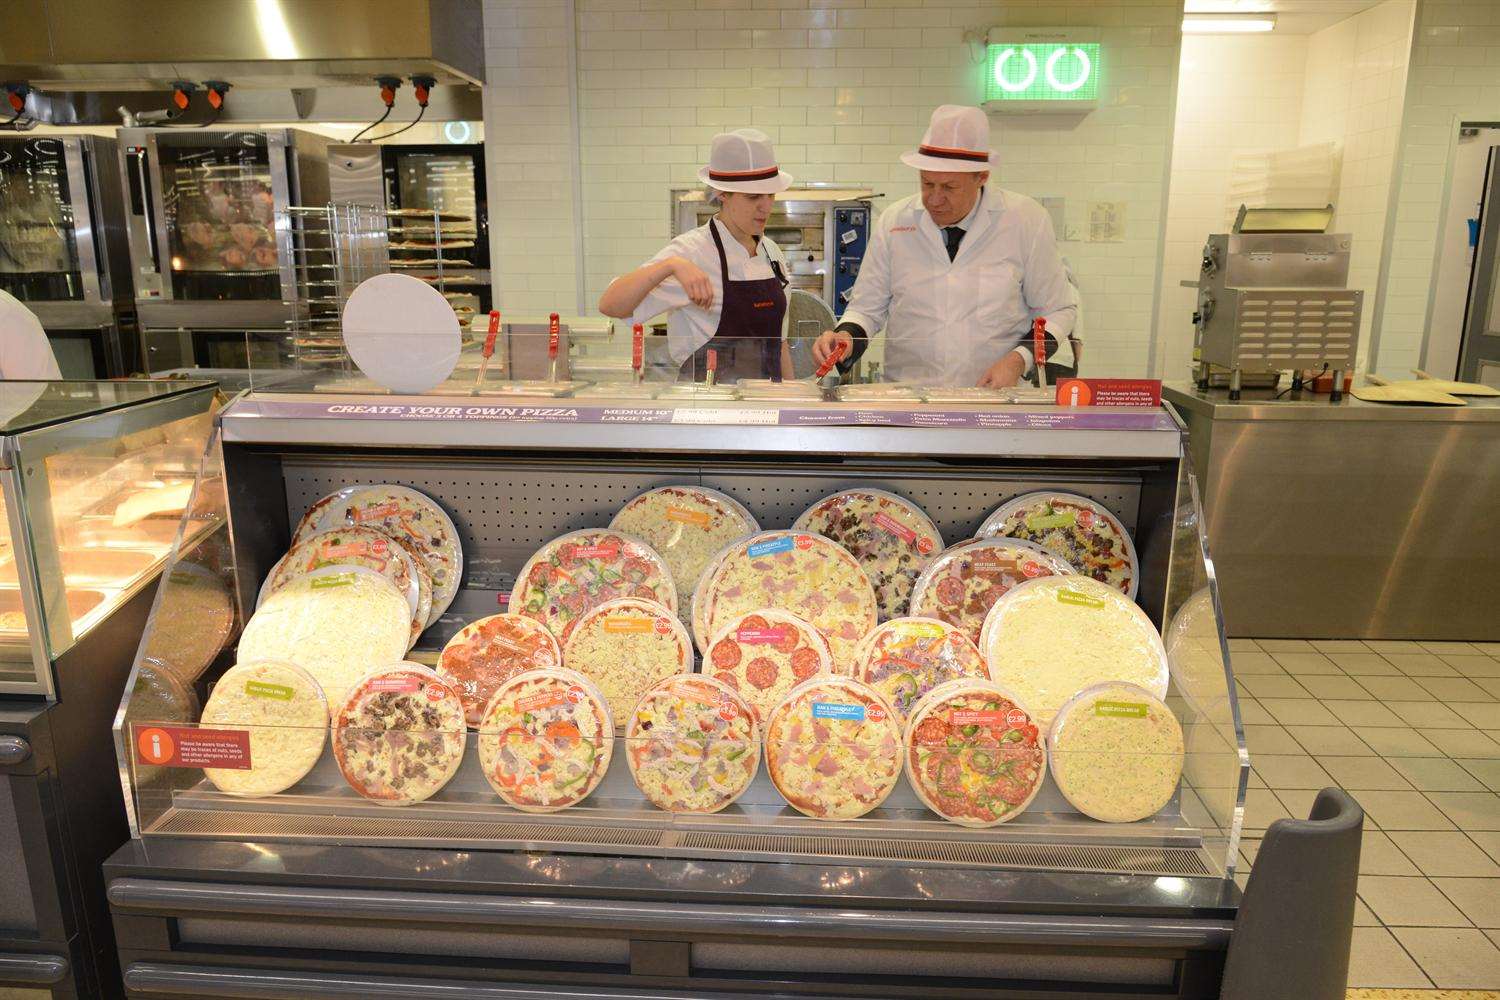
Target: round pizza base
[416,689]
[626,646]
[692,695]
[797,706]
[927,595]
[948,654]
[576,690]
[994,525]
[658,581]
[515,644]
[737,649]
[1096,738]
[399,566]
[937,701]
[284,709]
[687,547]
[892,599]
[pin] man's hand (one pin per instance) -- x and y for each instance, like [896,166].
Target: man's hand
[1004,373]
[694,281]
[827,340]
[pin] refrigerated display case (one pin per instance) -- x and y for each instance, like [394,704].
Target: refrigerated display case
[63,252]
[91,473]
[319,890]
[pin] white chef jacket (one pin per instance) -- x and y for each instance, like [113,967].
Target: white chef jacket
[25,351]
[946,322]
[688,326]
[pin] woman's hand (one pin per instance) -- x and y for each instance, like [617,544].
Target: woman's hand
[694,281]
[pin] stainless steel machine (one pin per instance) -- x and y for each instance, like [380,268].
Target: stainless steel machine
[1273,297]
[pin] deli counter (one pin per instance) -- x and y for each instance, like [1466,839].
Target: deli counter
[272,856]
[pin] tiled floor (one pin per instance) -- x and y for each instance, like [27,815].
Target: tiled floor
[1411,730]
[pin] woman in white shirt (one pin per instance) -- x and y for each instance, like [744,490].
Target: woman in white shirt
[722,284]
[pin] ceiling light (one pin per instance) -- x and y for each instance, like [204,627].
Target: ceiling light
[1227,24]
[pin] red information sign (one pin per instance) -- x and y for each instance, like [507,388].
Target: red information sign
[1109,392]
[188,746]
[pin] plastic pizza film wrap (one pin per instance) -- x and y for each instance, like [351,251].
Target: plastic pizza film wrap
[962,583]
[1050,638]
[625,646]
[688,526]
[833,748]
[334,623]
[399,736]
[905,658]
[801,573]
[582,570]
[286,714]
[366,547]
[402,513]
[1072,527]
[891,537]
[1117,752]
[692,744]
[764,654]
[490,651]
[974,753]
[546,739]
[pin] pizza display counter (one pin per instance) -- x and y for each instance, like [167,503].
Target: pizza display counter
[685,699]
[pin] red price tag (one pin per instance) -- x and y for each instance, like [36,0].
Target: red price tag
[492,333]
[554,334]
[637,347]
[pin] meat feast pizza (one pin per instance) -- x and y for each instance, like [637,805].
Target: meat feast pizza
[905,658]
[582,570]
[486,653]
[961,584]
[546,739]
[287,716]
[764,654]
[692,744]
[688,525]
[399,737]
[1077,529]
[974,755]
[892,538]
[367,547]
[833,748]
[625,646]
[1116,752]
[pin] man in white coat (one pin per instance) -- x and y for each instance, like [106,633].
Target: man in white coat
[955,275]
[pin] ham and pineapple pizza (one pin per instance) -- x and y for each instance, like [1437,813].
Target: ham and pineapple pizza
[764,654]
[688,525]
[625,646]
[891,537]
[973,755]
[486,653]
[546,739]
[963,582]
[583,569]
[1075,528]
[905,658]
[833,748]
[399,736]
[802,574]
[692,744]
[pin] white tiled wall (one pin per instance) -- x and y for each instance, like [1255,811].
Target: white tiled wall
[842,87]
[1455,77]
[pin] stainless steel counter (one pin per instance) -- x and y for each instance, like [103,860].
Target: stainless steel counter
[1351,519]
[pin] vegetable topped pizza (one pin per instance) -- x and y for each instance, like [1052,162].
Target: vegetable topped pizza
[625,646]
[891,537]
[963,582]
[583,569]
[688,525]
[399,737]
[833,748]
[546,739]
[973,755]
[486,653]
[1078,529]
[764,654]
[692,744]
[905,658]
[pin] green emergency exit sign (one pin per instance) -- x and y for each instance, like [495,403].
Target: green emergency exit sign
[1030,73]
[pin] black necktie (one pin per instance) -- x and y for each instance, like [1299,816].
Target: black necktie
[953,236]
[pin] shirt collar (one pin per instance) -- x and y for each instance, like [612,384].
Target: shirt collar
[732,245]
[968,221]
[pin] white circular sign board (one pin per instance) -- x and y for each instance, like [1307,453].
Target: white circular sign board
[401,333]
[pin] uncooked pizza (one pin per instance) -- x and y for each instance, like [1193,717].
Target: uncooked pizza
[801,573]
[1116,752]
[194,620]
[905,658]
[287,717]
[891,537]
[335,623]
[833,748]
[486,653]
[582,570]
[962,583]
[974,755]
[367,547]
[625,646]
[1050,638]
[692,744]
[546,739]
[1078,529]
[764,654]
[688,525]
[399,737]
[400,512]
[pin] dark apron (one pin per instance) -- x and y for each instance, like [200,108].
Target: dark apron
[748,339]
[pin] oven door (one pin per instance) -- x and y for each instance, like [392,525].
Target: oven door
[47,255]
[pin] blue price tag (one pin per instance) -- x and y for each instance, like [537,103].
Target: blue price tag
[771,546]
[834,710]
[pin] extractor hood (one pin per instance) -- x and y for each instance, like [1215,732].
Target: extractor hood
[121,45]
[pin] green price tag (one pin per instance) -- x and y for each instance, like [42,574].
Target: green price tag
[1062,519]
[1082,600]
[260,689]
[1121,709]
[333,580]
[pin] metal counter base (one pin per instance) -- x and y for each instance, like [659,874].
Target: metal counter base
[225,919]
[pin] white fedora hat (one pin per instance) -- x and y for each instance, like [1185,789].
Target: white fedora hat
[744,161]
[957,141]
